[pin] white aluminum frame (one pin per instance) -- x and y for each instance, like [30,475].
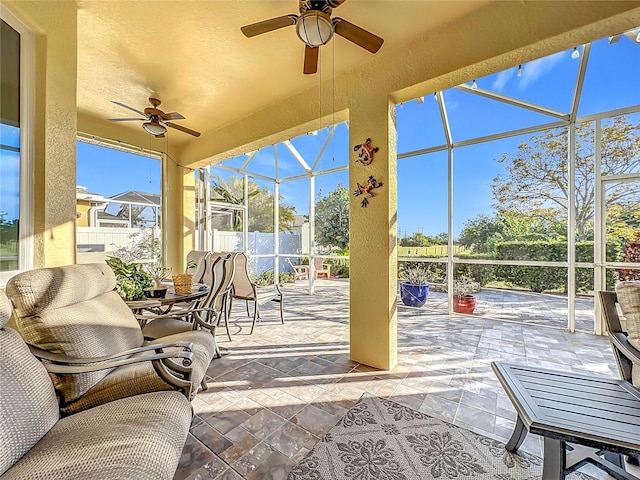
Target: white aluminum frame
[558,119]
[27,139]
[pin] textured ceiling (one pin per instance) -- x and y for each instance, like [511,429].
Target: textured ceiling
[193,55]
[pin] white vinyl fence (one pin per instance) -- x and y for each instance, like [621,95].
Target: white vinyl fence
[95,244]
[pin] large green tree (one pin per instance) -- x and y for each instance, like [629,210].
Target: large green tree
[261,204]
[332,219]
[537,176]
[483,232]
[418,239]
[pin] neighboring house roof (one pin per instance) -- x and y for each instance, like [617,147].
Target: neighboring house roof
[83,194]
[138,197]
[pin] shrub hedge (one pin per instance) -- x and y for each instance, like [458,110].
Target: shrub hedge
[536,279]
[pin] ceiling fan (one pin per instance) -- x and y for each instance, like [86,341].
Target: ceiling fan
[155,120]
[315,27]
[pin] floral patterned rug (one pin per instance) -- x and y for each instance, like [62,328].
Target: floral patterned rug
[381,439]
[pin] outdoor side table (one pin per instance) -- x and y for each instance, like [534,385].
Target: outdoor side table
[585,411]
[164,305]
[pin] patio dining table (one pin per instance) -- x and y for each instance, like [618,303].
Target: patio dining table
[164,305]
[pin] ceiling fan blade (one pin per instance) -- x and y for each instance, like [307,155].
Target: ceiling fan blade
[182,129]
[335,3]
[125,119]
[268,25]
[127,106]
[310,59]
[357,35]
[172,116]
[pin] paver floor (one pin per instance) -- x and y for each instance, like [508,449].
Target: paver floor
[275,393]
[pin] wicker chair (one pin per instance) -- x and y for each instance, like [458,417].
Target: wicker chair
[244,289]
[91,342]
[137,437]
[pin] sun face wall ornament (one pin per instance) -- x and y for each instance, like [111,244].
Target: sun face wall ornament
[372,184]
[365,156]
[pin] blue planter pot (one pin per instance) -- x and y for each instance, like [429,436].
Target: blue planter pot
[414,295]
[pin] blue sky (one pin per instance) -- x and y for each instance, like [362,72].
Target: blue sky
[611,82]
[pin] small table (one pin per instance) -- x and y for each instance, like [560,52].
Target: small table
[563,407]
[164,305]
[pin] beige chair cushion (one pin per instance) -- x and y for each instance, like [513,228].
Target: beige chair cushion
[28,403]
[138,437]
[73,311]
[629,299]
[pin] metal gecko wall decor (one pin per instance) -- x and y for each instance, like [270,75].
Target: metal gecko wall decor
[366,152]
[365,190]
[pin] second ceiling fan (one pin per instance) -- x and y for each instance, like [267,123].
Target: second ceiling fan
[315,28]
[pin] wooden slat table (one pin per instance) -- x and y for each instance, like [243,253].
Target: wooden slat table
[583,410]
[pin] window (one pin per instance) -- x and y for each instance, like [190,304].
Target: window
[118,201]
[15,188]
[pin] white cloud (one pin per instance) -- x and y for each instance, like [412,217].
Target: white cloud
[532,71]
[502,79]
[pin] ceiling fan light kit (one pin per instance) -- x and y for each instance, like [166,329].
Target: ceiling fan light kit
[314,28]
[154,128]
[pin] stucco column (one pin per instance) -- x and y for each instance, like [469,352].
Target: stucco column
[178,213]
[372,235]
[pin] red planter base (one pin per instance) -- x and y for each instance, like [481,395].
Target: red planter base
[464,303]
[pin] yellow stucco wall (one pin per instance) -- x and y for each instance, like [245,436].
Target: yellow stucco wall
[55,30]
[82,210]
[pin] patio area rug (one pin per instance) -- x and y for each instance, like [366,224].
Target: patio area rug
[381,439]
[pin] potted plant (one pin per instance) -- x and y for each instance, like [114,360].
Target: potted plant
[131,279]
[463,299]
[414,286]
[157,273]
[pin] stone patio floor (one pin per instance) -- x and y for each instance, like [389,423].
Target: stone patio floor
[275,393]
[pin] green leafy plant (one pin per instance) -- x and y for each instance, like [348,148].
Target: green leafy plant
[264,279]
[287,277]
[131,279]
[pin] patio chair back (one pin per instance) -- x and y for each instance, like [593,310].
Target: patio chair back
[198,257]
[209,270]
[229,260]
[626,355]
[219,266]
[321,268]
[31,407]
[243,287]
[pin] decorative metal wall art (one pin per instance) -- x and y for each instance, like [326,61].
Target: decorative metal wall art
[372,184]
[366,152]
